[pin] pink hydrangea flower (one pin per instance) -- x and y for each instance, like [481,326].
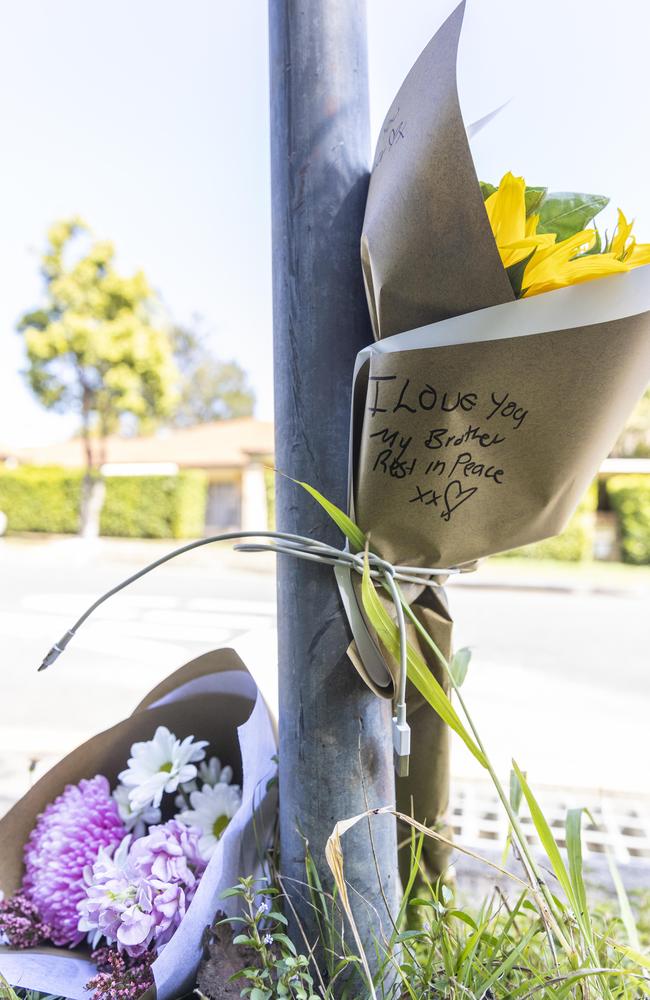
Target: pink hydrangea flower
[65,840]
[137,897]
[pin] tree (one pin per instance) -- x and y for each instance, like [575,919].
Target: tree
[209,389]
[97,347]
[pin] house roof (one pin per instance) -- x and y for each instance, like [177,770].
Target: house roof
[221,444]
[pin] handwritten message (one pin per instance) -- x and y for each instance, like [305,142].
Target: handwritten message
[447,460]
[393,131]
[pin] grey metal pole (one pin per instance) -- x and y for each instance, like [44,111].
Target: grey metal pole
[335,744]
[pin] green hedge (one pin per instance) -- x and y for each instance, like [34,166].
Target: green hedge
[629,496]
[41,499]
[49,500]
[155,506]
[576,543]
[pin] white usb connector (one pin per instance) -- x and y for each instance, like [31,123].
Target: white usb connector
[401,742]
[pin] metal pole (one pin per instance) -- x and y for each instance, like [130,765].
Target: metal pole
[335,748]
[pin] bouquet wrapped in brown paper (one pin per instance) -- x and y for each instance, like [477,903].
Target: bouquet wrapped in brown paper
[478,420]
[499,378]
[189,866]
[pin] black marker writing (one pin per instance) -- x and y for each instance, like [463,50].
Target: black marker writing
[507,407]
[376,408]
[441,438]
[427,497]
[468,467]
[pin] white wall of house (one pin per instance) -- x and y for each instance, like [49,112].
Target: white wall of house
[254,515]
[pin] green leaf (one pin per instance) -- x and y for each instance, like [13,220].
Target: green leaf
[464,917]
[418,671]
[566,213]
[286,941]
[243,939]
[459,664]
[516,274]
[257,994]
[353,533]
[547,839]
[486,189]
[596,248]
[535,197]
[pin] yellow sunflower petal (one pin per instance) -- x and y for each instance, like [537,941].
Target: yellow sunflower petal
[548,263]
[506,209]
[637,255]
[622,234]
[531,225]
[514,253]
[574,272]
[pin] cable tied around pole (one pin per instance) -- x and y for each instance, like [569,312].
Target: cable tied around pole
[301,547]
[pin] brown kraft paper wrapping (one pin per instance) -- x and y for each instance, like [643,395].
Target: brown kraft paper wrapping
[477,420]
[470,449]
[213,697]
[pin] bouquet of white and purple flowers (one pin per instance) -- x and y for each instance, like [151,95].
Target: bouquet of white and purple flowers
[114,863]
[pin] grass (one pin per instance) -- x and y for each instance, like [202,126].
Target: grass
[550,944]
[443,949]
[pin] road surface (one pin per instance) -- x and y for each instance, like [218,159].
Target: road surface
[560,680]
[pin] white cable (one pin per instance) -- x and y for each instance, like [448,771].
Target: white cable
[300,547]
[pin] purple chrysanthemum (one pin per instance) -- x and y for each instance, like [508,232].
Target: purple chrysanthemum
[137,897]
[65,840]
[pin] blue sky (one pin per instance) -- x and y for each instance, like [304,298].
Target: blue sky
[150,119]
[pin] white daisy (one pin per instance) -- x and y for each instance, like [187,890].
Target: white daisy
[212,809]
[135,820]
[210,772]
[160,765]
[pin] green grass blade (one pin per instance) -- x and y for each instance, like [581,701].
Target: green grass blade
[624,904]
[635,956]
[354,534]
[502,970]
[573,828]
[418,671]
[547,840]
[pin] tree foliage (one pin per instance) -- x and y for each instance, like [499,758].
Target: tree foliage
[97,346]
[210,389]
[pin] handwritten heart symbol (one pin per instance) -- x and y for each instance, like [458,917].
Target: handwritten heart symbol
[455,495]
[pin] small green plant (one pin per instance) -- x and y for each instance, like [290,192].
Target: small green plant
[278,969]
